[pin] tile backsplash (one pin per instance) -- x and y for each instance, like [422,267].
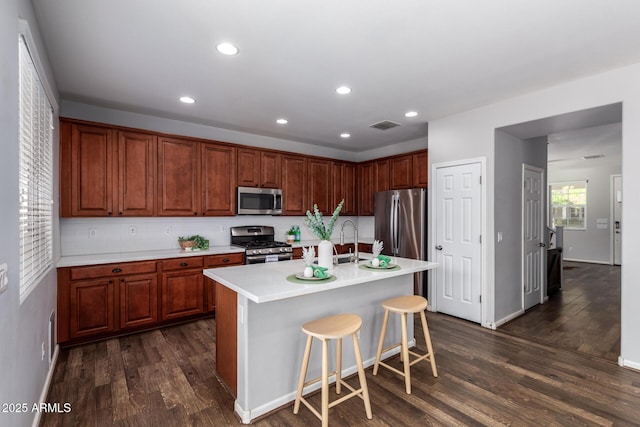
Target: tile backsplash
[80,236]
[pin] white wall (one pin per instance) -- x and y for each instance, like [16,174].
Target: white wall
[471,134]
[511,153]
[23,327]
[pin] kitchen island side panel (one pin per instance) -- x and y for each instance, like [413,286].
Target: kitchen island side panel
[271,342]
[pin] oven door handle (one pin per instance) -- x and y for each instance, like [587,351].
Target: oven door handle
[257,259]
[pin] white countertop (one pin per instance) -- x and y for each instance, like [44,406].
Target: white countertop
[335,241]
[267,282]
[94,259]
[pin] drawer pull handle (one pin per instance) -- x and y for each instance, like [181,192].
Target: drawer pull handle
[116,270]
[183,264]
[225,260]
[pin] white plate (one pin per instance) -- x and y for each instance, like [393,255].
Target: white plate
[368,265]
[301,276]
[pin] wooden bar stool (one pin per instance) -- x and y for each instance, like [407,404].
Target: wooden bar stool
[403,306]
[325,329]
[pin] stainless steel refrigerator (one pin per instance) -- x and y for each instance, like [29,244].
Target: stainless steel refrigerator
[400,223]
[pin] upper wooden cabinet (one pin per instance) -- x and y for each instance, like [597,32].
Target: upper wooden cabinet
[420,172]
[366,189]
[106,172]
[381,175]
[401,172]
[320,185]
[294,185]
[344,187]
[257,168]
[218,180]
[178,177]
[136,174]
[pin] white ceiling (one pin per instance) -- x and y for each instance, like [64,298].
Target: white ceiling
[432,56]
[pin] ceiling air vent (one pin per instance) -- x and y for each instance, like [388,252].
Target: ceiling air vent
[595,156]
[384,125]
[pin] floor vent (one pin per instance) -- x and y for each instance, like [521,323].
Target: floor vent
[384,125]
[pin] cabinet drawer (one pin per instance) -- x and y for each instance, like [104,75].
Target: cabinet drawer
[106,270]
[182,263]
[225,259]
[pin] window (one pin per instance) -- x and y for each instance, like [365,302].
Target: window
[36,175]
[569,205]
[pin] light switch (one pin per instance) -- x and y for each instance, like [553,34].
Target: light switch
[4,277]
[499,236]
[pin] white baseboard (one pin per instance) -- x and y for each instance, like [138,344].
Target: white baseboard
[47,384]
[588,261]
[504,320]
[628,363]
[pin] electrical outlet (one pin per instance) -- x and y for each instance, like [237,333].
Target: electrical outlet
[4,277]
[223,228]
[132,230]
[168,230]
[92,233]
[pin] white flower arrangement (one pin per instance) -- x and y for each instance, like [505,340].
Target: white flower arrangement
[377,248]
[308,255]
[316,224]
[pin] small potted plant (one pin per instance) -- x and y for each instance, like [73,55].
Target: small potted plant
[291,235]
[195,242]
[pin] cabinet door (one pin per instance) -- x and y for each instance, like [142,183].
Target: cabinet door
[380,176]
[178,183]
[294,185]
[182,294]
[91,307]
[136,174]
[248,170]
[138,300]
[270,169]
[365,188]
[420,173]
[210,300]
[400,172]
[218,180]
[320,185]
[343,178]
[92,163]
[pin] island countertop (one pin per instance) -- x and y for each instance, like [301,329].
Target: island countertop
[267,282]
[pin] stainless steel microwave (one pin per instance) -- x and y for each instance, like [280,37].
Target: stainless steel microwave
[259,201]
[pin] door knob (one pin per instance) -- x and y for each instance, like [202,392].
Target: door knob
[542,245]
[439,247]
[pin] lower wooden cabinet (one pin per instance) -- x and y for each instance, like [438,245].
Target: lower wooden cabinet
[101,301]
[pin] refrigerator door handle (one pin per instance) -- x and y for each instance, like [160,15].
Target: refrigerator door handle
[396,231]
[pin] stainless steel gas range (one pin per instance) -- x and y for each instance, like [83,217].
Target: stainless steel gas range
[260,245]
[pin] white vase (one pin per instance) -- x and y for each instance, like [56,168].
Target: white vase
[325,254]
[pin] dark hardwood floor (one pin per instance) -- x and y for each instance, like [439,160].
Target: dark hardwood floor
[167,378]
[584,316]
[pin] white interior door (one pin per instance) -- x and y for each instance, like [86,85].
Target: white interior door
[458,224]
[533,246]
[617,219]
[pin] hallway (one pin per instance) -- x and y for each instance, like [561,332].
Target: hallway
[584,316]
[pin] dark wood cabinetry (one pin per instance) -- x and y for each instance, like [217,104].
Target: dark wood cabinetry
[420,162]
[366,188]
[106,172]
[343,178]
[294,185]
[178,177]
[320,185]
[400,172]
[218,180]
[104,300]
[258,168]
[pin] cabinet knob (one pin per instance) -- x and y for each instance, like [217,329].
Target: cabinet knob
[183,264]
[225,260]
[109,213]
[116,270]
[119,213]
[195,213]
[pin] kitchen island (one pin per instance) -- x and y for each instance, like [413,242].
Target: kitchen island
[259,342]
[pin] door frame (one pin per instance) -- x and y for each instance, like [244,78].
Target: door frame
[543,224]
[612,222]
[485,293]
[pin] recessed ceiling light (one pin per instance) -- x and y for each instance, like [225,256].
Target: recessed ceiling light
[411,114]
[282,121]
[345,135]
[187,99]
[343,90]
[227,49]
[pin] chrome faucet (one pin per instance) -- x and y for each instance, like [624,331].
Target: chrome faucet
[355,237]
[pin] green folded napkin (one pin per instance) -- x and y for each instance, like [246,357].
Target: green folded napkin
[384,260]
[319,272]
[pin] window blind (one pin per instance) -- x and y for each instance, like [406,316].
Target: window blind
[35,175]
